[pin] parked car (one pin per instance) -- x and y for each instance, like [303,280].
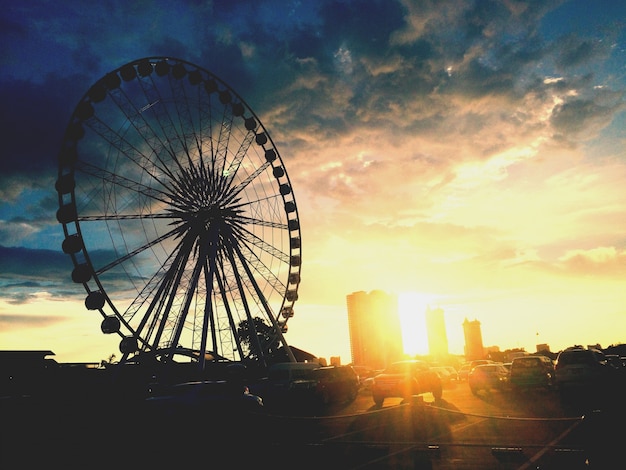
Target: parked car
[217,397]
[531,372]
[288,384]
[446,376]
[480,362]
[487,377]
[464,371]
[454,374]
[405,379]
[336,384]
[578,367]
[364,373]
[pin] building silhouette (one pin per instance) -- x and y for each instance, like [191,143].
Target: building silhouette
[473,340]
[374,327]
[436,332]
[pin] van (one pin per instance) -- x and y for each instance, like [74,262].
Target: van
[531,372]
[580,367]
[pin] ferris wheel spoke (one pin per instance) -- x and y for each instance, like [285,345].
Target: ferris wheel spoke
[208,323]
[122,182]
[151,289]
[236,190]
[261,297]
[224,336]
[156,315]
[128,149]
[136,251]
[233,166]
[249,237]
[188,132]
[188,298]
[169,134]
[222,142]
[174,278]
[263,223]
[252,260]
[113,217]
[237,275]
[159,293]
[145,131]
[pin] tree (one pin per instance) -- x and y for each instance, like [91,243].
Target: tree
[109,361]
[266,342]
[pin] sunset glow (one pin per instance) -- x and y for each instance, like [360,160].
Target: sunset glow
[412,309]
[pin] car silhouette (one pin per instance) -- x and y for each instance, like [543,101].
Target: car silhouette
[336,384]
[405,379]
[210,397]
[488,377]
[528,372]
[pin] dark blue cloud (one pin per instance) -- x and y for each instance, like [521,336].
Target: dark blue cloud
[33,117]
[32,264]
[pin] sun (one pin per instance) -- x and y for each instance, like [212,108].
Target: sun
[412,311]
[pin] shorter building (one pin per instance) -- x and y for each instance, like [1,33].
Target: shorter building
[474,348]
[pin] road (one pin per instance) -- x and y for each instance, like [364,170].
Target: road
[497,430]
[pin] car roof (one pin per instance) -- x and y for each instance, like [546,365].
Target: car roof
[530,358]
[493,365]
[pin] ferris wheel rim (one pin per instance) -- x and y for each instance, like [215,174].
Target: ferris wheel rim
[86,271]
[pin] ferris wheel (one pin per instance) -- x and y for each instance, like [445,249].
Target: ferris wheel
[178,213]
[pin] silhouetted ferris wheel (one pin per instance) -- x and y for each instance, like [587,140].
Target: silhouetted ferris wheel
[177,211]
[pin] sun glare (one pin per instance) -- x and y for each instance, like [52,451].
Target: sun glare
[412,310]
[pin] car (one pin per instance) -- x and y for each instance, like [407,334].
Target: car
[616,361]
[578,367]
[217,397]
[336,384]
[531,372]
[488,377]
[446,376]
[405,379]
[454,374]
[288,384]
[364,373]
[464,371]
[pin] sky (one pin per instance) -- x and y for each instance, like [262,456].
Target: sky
[468,153]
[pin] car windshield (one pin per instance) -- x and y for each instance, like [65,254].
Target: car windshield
[489,369]
[526,363]
[576,357]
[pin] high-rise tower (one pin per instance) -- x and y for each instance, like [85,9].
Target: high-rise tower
[473,340]
[374,326]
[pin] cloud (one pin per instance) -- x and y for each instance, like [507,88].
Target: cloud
[17,321]
[583,119]
[31,263]
[596,262]
[574,51]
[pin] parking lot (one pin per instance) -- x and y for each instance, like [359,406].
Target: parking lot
[497,429]
[494,430]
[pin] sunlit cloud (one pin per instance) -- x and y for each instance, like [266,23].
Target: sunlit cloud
[598,261]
